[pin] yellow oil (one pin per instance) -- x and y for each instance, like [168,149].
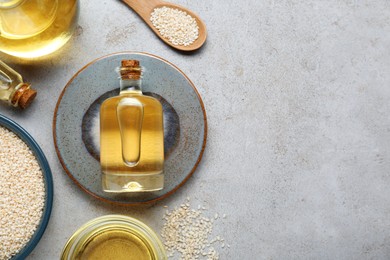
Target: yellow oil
[114,237]
[116,244]
[34,28]
[132,158]
[9,81]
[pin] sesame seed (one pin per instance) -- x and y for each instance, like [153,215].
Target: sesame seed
[187,232]
[21,208]
[178,27]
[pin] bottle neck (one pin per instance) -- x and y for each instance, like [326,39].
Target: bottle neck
[130,86]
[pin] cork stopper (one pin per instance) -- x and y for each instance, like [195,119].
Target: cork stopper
[27,97]
[130,63]
[23,96]
[130,69]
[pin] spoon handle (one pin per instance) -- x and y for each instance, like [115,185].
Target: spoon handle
[142,7]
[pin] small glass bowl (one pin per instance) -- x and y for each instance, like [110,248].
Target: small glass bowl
[94,238]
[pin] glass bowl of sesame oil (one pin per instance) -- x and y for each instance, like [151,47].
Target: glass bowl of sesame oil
[34,28]
[114,237]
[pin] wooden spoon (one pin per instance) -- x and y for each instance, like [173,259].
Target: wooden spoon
[144,8]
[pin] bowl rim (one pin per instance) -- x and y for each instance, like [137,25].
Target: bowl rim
[48,181]
[98,225]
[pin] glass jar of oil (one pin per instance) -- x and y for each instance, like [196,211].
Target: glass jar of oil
[34,28]
[131,136]
[114,237]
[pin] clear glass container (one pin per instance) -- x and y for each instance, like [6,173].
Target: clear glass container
[12,88]
[131,136]
[34,28]
[114,237]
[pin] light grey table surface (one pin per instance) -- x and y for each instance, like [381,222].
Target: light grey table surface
[297,99]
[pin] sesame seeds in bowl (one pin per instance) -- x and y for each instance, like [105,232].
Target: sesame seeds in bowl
[26,191]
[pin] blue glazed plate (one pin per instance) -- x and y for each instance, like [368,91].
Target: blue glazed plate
[48,180]
[76,124]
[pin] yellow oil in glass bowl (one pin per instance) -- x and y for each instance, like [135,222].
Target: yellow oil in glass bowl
[35,28]
[114,237]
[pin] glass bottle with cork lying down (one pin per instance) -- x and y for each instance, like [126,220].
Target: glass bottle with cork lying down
[12,88]
[131,136]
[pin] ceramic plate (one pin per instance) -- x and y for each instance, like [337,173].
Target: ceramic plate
[39,155]
[76,123]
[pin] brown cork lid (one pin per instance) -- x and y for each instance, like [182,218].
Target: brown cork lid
[26,98]
[130,69]
[130,63]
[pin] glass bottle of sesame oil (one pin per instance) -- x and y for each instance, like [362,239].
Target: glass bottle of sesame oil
[34,28]
[131,136]
[12,88]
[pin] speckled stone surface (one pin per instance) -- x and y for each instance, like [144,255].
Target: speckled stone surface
[297,98]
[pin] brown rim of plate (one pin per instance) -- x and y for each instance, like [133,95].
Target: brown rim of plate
[141,202]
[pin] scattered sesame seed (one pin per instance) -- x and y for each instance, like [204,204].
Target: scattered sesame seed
[186,232]
[176,26]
